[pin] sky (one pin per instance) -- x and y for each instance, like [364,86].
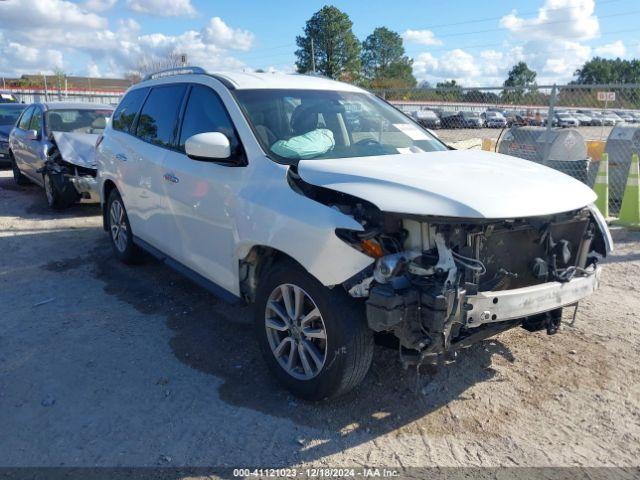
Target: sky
[474,42]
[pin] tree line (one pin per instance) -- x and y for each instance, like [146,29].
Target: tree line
[329,47]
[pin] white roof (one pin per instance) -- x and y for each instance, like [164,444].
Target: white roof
[243,81]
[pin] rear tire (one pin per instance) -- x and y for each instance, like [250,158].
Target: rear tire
[120,230]
[18,177]
[319,345]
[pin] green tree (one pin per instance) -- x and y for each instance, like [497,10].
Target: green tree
[449,90]
[336,48]
[601,70]
[521,76]
[520,82]
[384,63]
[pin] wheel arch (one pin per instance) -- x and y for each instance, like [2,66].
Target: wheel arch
[254,261]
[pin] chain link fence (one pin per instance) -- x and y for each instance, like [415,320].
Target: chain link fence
[34,95]
[565,127]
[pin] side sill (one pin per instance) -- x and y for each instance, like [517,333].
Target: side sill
[195,277]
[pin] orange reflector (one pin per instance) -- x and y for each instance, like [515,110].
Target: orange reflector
[372,248]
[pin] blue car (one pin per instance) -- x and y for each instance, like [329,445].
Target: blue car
[9,113]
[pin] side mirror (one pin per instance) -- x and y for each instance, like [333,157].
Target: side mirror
[32,135]
[208,146]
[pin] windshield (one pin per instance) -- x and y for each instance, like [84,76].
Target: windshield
[77,120]
[470,115]
[302,124]
[9,113]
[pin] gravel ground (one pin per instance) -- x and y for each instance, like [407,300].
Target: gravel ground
[107,365]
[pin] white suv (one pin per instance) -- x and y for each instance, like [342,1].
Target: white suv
[341,219]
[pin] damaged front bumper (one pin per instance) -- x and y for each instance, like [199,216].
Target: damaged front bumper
[490,307]
[87,188]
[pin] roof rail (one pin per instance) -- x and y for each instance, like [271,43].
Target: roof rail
[174,71]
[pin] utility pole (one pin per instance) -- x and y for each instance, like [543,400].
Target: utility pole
[313,57]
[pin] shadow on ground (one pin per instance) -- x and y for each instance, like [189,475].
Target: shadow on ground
[37,208]
[218,339]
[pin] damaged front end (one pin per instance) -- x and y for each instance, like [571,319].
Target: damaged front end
[71,169]
[440,284]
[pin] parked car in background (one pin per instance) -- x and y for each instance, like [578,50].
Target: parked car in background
[609,118]
[625,116]
[463,119]
[427,118]
[494,119]
[334,235]
[7,98]
[53,146]
[636,116]
[596,119]
[583,119]
[9,113]
[565,120]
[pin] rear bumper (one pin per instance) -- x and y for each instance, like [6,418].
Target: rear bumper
[489,307]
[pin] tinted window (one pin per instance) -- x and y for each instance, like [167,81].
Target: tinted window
[36,121]
[158,119]
[9,113]
[206,113]
[128,108]
[25,119]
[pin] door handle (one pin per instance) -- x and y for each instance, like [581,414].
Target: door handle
[170,177]
[122,157]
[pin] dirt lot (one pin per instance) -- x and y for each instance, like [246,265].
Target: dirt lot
[108,365]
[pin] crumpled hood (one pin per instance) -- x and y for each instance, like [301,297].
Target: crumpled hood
[77,148]
[463,183]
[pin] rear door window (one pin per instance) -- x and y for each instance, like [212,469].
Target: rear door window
[128,109]
[158,119]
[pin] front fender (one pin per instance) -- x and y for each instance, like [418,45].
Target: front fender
[276,216]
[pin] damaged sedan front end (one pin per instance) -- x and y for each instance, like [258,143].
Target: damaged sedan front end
[70,165]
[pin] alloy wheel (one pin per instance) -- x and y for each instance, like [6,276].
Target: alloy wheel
[118,225]
[296,331]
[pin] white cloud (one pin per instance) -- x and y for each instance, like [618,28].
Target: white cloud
[59,34]
[554,62]
[422,37]
[93,70]
[46,13]
[557,19]
[16,58]
[221,34]
[163,8]
[615,49]
[98,5]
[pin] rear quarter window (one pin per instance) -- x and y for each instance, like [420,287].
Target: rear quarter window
[128,108]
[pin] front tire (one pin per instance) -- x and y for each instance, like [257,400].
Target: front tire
[18,177]
[120,230]
[59,194]
[314,339]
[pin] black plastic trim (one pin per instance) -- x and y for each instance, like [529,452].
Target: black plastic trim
[195,277]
